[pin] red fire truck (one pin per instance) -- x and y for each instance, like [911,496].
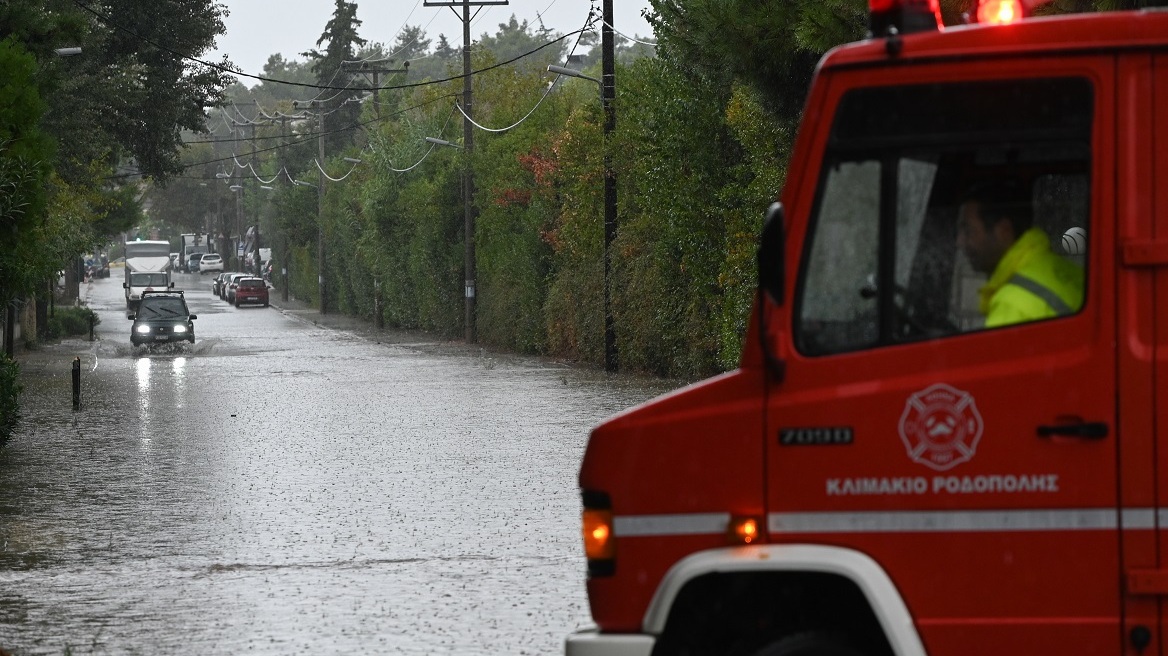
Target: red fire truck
[884,474]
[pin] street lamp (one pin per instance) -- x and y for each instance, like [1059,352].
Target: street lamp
[352,160]
[442,142]
[606,103]
[67,52]
[570,72]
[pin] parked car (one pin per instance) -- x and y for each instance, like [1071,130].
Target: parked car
[193,262]
[211,262]
[251,291]
[162,317]
[219,283]
[231,283]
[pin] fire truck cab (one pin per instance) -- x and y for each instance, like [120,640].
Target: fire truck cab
[885,474]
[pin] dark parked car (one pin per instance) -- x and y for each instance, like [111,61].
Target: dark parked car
[229,285]
[193,262]
[252,291]
[219,284]
[162,317]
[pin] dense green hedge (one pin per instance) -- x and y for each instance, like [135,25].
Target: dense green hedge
[70,321]
[9,396]
[696,167]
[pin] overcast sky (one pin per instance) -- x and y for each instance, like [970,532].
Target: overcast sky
[259,28]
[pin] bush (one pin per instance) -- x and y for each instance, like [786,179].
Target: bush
[9,396]
[70,321]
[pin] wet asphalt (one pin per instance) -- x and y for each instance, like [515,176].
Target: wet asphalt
[295,483]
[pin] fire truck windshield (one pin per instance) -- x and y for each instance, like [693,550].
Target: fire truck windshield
[884,265]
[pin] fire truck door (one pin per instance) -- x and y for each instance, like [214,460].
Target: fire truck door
[976,465]
[1142,211]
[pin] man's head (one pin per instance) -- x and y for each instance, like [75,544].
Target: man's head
[991,217]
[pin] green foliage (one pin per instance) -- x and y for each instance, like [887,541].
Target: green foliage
[574,312]
[302,277]
[25,156]
[758,177]
[124,97]
[412,224]
[70,321]
[515,38]
[340,33]
[10,389]
[517,206]
[183,202]
[698,155]
[773,46]
[672,235]
[24,149]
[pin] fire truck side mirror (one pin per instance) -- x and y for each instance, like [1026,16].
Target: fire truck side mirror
[771,250]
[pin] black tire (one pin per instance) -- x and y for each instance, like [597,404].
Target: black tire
[809,644]
[265,305]
[237,302]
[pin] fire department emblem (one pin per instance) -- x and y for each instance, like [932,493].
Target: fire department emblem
[940,427]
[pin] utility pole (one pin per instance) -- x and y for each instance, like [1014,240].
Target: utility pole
[251,160]
[370,68]
[284,256]
[319,198]
[320,212]
[607,96]
[469,209]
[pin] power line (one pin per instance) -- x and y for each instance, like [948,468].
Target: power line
[109,22]
[307,136]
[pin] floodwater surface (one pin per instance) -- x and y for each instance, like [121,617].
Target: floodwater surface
[283,487]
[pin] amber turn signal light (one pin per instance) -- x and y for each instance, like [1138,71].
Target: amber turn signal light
[599,543]
[744,530]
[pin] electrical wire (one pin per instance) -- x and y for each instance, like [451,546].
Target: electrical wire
[109,22]
[580,33]
[329,177]
[427,154]
[362,124]
[626,36]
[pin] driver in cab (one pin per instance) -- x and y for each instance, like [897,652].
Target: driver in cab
[1027,280]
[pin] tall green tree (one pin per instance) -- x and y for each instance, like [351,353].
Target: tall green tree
[341,43]
[515,38]
[411,43]
[773,46]
[26,154]
[134,87]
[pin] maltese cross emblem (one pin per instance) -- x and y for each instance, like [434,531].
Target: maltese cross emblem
[940,427]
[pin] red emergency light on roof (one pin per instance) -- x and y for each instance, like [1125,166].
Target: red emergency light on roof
[892,17]
[999,12]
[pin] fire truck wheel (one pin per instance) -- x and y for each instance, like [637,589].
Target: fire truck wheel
[808,644]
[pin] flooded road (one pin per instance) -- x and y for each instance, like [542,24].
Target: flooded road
[282,487]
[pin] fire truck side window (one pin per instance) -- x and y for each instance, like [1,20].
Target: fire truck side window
[839,309]
[883,265]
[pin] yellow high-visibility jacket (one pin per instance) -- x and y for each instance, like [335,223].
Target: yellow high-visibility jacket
[1031,282]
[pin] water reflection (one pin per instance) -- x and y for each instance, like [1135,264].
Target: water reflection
[142,365]
[179,367]
[309,491]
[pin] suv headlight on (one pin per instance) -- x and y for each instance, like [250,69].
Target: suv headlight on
[180,328]
[142,329]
